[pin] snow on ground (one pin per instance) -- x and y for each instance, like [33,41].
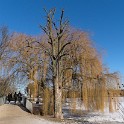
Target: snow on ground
[115,117]
[105,117]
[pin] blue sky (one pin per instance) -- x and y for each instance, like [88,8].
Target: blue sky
[103,19]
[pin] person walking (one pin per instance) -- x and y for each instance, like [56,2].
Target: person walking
[19,97]
[9,97]
[15,97]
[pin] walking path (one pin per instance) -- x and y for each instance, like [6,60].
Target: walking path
[13,114]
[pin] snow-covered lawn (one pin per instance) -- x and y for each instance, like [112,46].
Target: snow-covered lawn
[115,117]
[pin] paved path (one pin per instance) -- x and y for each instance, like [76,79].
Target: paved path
[13,114]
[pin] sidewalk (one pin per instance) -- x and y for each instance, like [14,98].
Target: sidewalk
[13,114]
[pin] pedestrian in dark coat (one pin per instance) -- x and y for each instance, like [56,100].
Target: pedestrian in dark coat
[15,97]
[19,97]
[9,97]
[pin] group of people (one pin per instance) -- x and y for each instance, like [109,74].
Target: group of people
[14,97]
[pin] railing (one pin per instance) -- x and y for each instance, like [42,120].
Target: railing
[2,100]
[33,107]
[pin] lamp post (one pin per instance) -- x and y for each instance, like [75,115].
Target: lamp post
[38,86]
[38,100]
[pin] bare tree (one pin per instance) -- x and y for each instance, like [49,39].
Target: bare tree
[4,41]
[56,52]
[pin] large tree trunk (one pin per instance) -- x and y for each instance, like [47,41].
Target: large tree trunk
[58,99]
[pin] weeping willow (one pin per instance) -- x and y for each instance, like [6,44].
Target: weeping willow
[91,78]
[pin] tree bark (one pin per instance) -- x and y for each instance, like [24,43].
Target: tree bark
[58,99]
